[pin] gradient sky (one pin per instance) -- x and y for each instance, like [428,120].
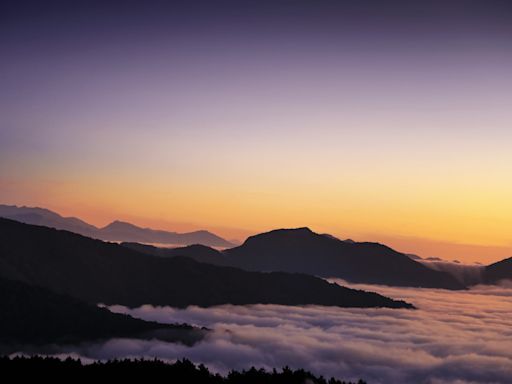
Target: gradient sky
[385,121]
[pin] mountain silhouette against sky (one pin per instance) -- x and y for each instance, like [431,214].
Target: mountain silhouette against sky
[98,272]
[304,251]
[289,250]
[498,272]
[115,231]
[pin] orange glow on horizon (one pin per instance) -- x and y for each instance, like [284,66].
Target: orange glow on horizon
[226,216]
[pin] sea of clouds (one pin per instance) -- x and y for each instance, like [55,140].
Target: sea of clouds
[454,337]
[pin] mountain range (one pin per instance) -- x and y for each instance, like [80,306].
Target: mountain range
[298,250]
[98,272]
[115,231]
[301,250]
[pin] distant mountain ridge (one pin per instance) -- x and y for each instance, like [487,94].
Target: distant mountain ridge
[115,231]
[300,250]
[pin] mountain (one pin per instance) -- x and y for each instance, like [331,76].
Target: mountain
[115,231]
[34,315]
[99,272]
[199,253]
[502,270]
[42,216]
[121,231]
[301,250]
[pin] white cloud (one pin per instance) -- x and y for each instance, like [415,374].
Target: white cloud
[454,337]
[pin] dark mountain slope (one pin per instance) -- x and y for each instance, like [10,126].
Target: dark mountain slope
[34,315]
[502,270]
[99,272]
[301,250]
[199,253]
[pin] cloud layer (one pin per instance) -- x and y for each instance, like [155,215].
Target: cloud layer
[468,274]
[454,337]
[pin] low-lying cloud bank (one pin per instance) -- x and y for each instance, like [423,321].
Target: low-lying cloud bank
[467,274]
[454,337]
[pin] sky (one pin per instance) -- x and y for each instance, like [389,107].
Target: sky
[383,121]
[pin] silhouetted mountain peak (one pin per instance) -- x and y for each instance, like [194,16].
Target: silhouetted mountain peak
[118,224]
[301,230]
[98,272]
[305,237]
[16,209]
[43,216]
[202,232]
[302,250]
[290,238]
[283,234]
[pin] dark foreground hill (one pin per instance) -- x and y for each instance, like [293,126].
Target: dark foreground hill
[182,371]
[36,316]
[115,231]
[99,272]
[303,251]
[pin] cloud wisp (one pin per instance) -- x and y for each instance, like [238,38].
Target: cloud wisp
[468,274]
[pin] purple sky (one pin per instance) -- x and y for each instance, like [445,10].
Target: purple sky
[359,118]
